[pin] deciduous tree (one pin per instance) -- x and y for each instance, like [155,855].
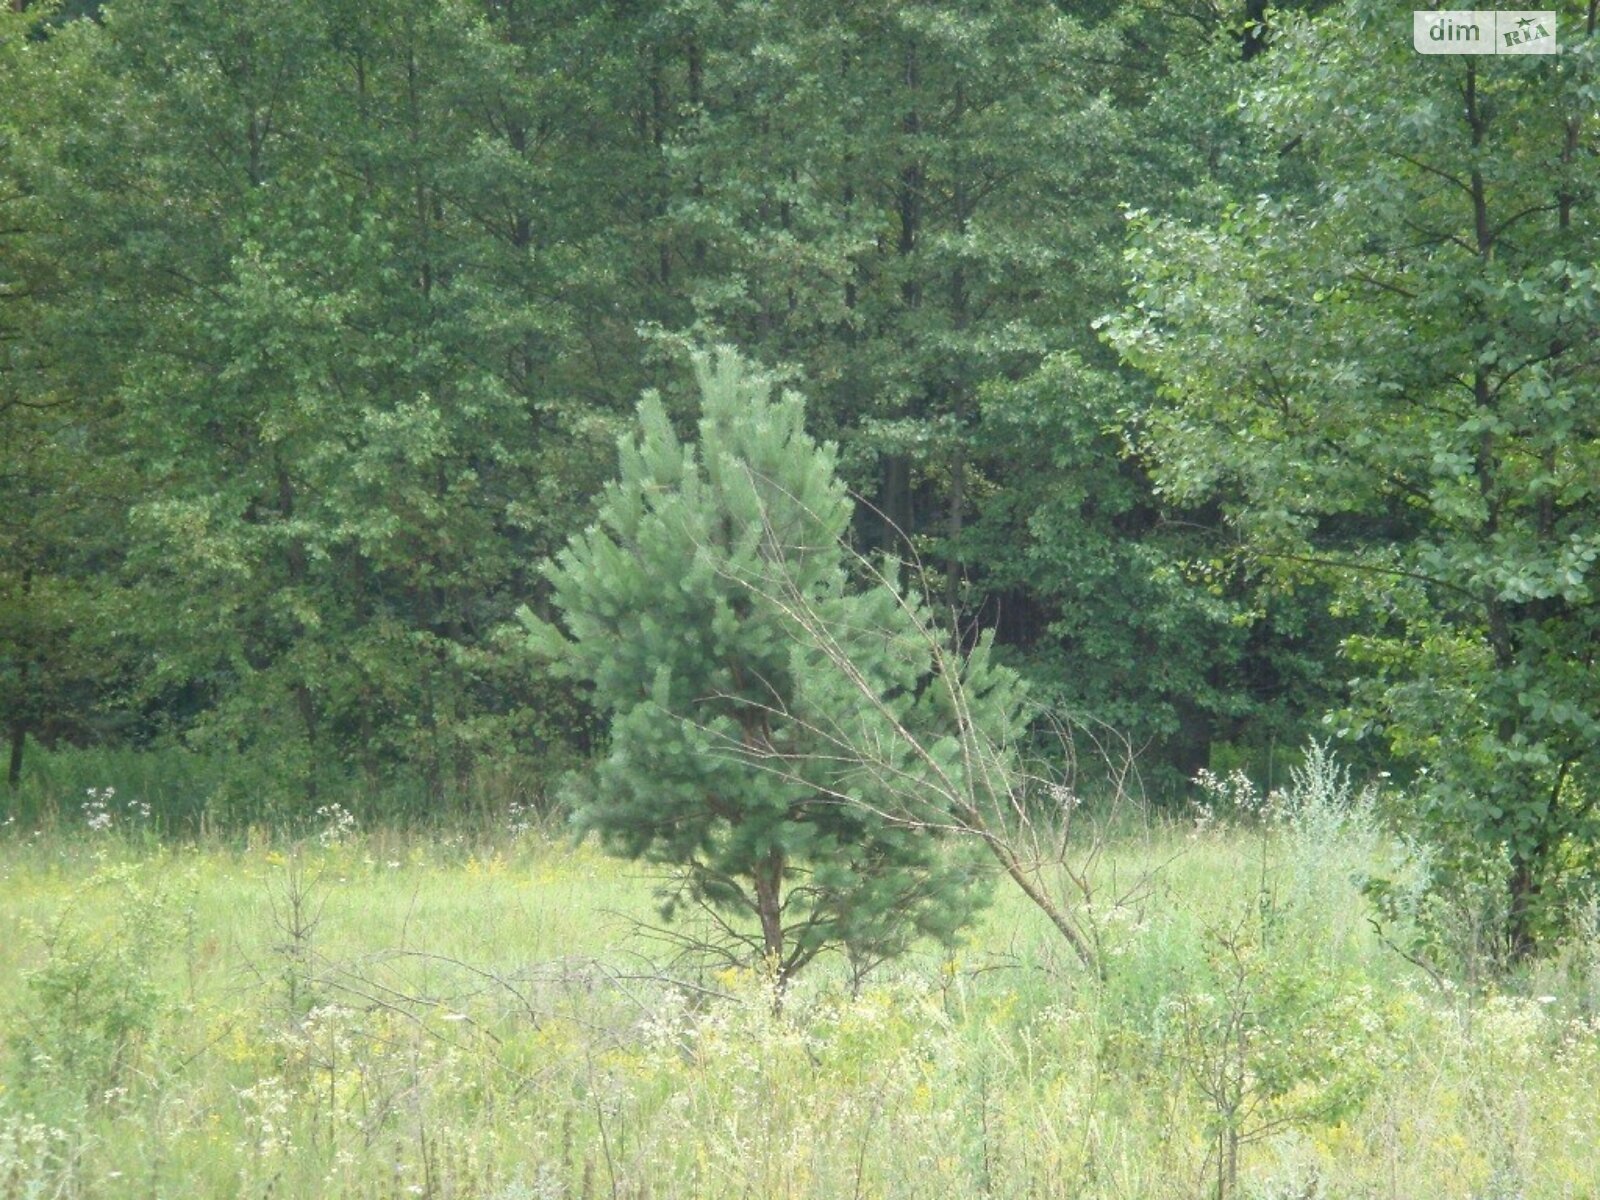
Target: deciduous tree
[1392,379]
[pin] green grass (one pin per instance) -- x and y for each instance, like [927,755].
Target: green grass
[392,1015]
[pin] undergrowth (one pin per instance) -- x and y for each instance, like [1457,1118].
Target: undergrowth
[360,1012]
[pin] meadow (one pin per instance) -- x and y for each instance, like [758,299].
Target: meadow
[362,1012]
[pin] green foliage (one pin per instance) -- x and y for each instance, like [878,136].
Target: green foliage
[1129,611]
[915,209]
[306,301]
[712,614]
[1267,1042]
[1385,372]
[314,317]
[61,538]
[92,1003]
[1249,1004]
[330,304]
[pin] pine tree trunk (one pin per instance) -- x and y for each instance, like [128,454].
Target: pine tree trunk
[769,910]
[894,502]
[952,565]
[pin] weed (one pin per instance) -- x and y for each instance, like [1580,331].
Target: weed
[93,1000]
[471,1024]
[297,905]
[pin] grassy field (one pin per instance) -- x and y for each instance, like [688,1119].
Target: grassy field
[366,1014]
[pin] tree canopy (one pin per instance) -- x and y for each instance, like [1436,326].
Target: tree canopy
[318,322]
[1391,375]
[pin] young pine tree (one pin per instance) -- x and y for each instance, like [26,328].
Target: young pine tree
[772,722]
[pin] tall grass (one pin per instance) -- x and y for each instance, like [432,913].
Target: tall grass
[362,1012]
[178,793]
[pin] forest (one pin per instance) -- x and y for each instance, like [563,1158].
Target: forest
[884,470]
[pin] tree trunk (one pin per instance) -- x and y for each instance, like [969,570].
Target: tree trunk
[952,564]
[306,705]
[894,503]
[19,724]
[769,909]
[19,740]
[1254,38]
[1523,892]
[896,498]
